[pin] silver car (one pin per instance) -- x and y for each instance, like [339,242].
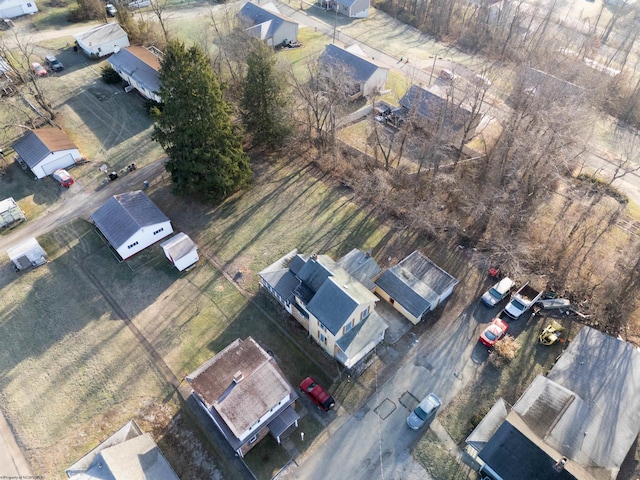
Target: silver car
[425,412]
[495,294]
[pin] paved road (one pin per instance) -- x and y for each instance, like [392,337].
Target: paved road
[375,441]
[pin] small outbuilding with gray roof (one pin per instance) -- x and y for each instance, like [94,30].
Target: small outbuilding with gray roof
[45,150]
[362,76]
[181,251]
[102,40]
[131,222]
[139,67]
[415,286]
[348,8]
[268,24]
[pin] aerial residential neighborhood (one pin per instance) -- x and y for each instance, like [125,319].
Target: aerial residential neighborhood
[319,240]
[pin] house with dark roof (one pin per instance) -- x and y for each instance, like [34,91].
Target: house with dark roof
[131,222]
[362,76]
[415,286]
[17,8]
[102,40]
[437,113]
[268,24]
[139,67]
[578,422]
[45,150]
[246,395]
[332,300]
[128,454]
[348,8]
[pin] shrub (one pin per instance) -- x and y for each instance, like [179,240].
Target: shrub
[504,351]
[109,75]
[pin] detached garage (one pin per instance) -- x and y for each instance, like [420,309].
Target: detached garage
[103,40]
[28,254]
[17,8]
[131,222]
[45,150]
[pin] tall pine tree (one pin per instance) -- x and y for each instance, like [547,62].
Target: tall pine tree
[194,127]
[264,101]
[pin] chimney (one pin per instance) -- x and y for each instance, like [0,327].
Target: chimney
[367,254]
[314,256]
[237,377]
[560,465]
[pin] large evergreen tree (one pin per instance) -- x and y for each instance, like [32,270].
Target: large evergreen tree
[264,101]
[194,127]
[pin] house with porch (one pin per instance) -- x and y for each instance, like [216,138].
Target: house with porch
[246,395]
[415,286]
[577,423]
[330,300]
[348,8]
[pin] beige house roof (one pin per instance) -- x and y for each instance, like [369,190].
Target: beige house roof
[242,383]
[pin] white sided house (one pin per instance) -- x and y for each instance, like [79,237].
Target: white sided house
[45,150]
[268,24]
[181,251]
[102,40]
[17,8]
[131,222]
[363,76]
[348,8]
[139,67]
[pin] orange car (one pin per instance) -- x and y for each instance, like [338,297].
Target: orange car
[494,332]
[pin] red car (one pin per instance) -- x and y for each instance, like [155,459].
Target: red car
[38,70]
[494,332]
[63,177]
[317,394]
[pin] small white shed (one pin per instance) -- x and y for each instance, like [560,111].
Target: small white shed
[181,251]
[103,40]
[27,254]
[17,8]
[10,213]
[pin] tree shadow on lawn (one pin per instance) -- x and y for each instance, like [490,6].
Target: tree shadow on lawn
[112,116]
[21,185]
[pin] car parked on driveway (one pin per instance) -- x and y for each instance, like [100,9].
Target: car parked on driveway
[38,70]
[425,412]
[317,394]
[494,332]
[53,63]
[447,74]
[498,292]
[63,177]
[110,9]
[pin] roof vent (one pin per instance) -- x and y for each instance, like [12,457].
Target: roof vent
[367,254]
[237,377]
[561,463]
[314,256]
[346,287]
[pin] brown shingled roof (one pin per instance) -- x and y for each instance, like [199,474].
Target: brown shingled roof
[54,139]
[146,56]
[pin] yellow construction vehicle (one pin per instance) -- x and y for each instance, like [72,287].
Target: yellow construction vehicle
[551,333]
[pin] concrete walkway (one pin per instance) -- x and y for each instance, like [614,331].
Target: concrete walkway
[12,461]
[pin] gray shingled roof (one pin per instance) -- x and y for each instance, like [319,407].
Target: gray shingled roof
[356,67]
[101,34]
[144,74]
[594,388]
[514,457]
[488,425]
[365,333]
[267,21]
[178,246]
[126,455]
[361,266]
[435,108]
[416,283]
[124,215]
[282,281]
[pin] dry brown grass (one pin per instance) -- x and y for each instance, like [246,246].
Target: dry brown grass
[504,351]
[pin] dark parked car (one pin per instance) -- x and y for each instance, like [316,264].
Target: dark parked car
[317,394]
[53,63]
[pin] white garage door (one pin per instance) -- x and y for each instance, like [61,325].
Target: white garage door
[11,12]
[53,165]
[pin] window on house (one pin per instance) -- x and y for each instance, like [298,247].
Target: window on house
[364,314]
[158,231]
[321,326]
[29,5]
[132,245]
[348,326]
[322,338]
[253,439]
